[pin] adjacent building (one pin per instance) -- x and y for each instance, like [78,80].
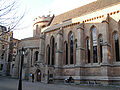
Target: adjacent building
[13,51]
[8,51]
[4,50]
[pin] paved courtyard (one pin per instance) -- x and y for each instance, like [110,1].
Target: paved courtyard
[11,84]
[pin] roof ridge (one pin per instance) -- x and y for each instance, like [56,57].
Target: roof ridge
[82,10]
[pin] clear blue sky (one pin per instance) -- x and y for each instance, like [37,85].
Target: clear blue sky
[42,7]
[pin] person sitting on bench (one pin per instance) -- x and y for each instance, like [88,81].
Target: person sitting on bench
[70,79]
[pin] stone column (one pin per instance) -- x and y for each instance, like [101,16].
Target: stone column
[30,61]
[46,74]
[80,53]
[59,59]
[106,45]
[28,64]
[41,49]
[59,53]
[106,52]
[15,73]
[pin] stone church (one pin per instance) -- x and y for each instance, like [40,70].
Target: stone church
[83,43]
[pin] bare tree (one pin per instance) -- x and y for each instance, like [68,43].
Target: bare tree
[11,13]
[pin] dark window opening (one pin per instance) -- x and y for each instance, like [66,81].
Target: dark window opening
[88,50]
[51,75]
[71,48]
[36,55]
[48,55]
[95,54]
[94,36]
[101,51]
[1,66]
[2,56]
[3,46]
[66,58]
[12,65]
[76,45]
[53,53]
[116,39]
[43,26]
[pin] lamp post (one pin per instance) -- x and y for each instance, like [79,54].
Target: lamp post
[20,78]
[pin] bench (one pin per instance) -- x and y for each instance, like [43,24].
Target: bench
[69,80]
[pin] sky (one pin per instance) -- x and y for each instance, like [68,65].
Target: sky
[35,8]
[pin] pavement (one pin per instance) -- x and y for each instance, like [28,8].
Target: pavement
[7,83]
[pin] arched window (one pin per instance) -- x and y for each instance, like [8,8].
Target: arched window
[48,54]
[53,50]
[116,43]
[3,46]
[2,56]
[37,29]
[88,50]
[76,44]
[75,48]
[94,42]
[71,48]
[66,53]
[12,65]
[43,26]
[101,52]
[36,55]
[1,66]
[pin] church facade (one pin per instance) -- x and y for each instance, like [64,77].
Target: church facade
[83,43]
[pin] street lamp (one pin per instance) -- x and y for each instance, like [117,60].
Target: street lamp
[20,78]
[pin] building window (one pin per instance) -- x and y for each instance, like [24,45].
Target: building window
[76,45]
[101,51]
[94,42]
[116,43]
[88,50]
[75,48]
[66,53]
[53,50]
[71,48]
[1,66]
[51,75]
[48,54]
[12,65]
[43,26]
[36,55]
[2,56]
[3,46]
[14,44]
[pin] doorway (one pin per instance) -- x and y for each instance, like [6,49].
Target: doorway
[38,75]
